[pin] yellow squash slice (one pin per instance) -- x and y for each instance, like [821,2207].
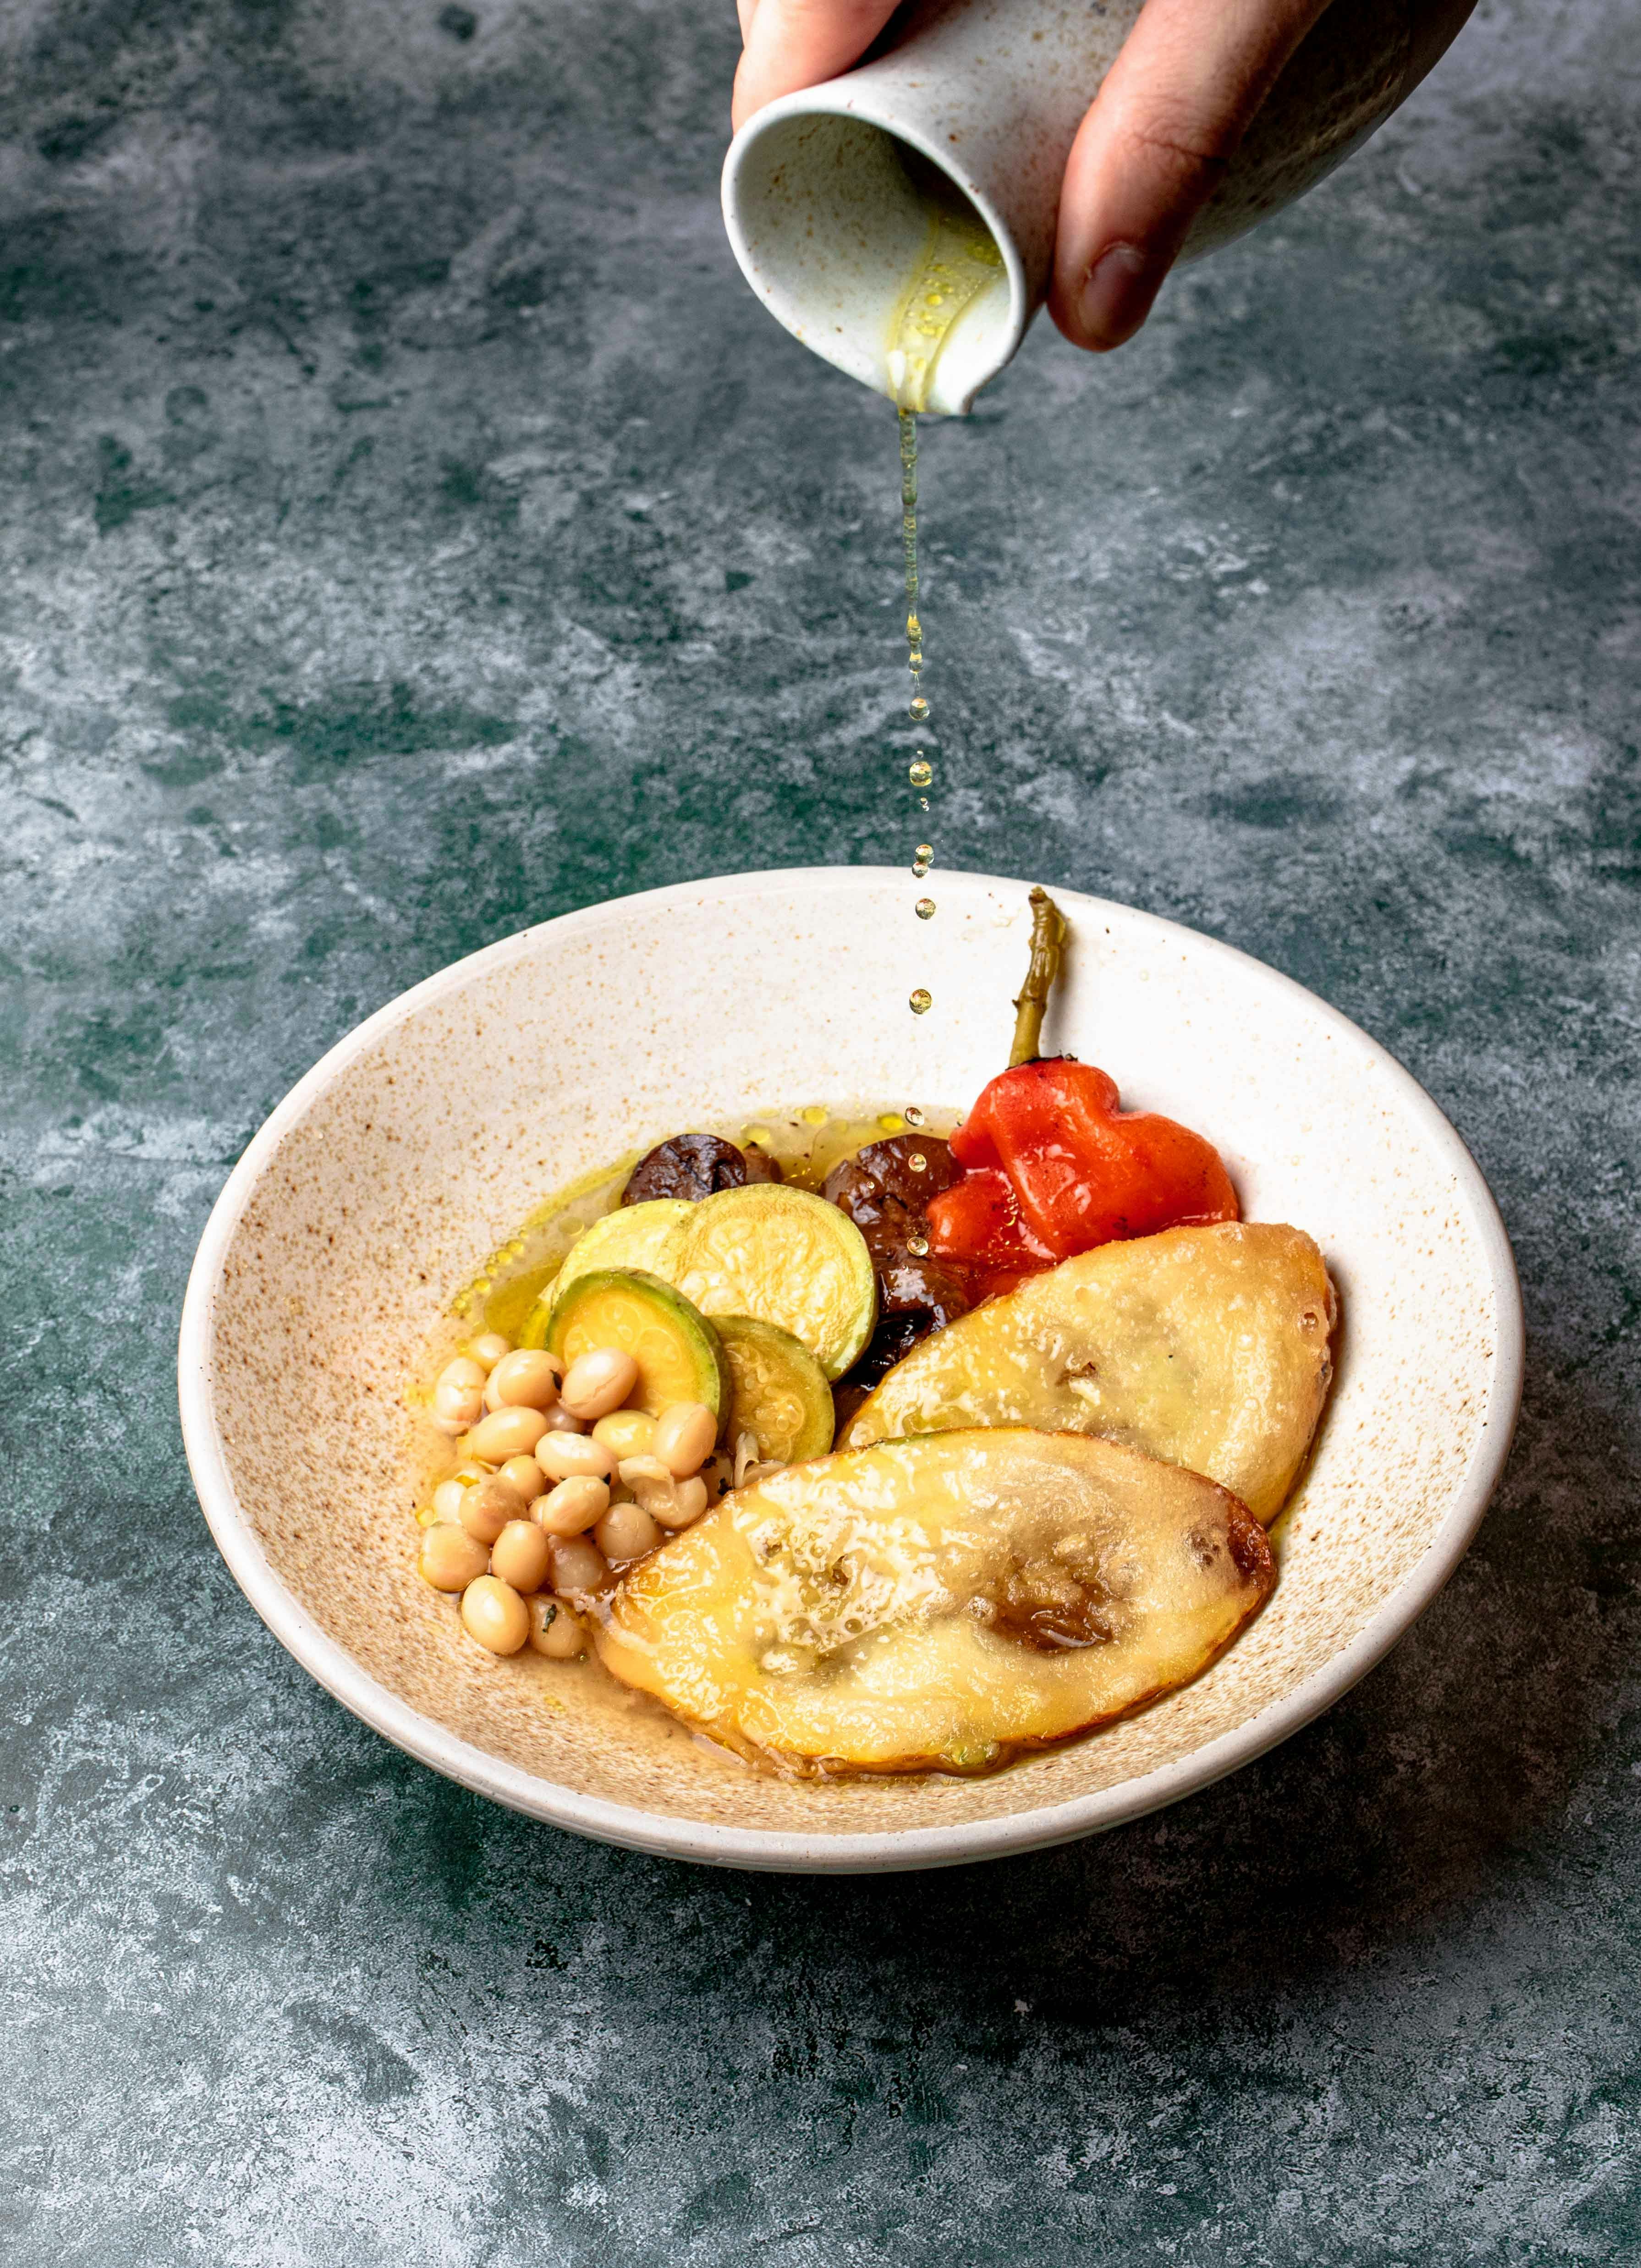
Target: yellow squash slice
[938,1604]
[1208,1347]
[785,1257]
[779,1395]
[778,1255]
[645,1236]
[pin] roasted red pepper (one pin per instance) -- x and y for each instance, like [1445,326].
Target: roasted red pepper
[977,1224]
[1053,1167]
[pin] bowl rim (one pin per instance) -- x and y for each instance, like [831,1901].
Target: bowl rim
[763,1848]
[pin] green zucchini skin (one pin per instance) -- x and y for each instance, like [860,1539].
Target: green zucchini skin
[780,1393]
[679,1355]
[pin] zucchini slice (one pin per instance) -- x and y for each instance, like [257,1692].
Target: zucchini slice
[786,1257]
[1208,1347]
[779,1394]
[677,1351]
[648,1236]
[940,1603]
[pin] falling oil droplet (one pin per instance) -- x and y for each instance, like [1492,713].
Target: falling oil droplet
[912,1115]
[925,851]
[920,1002]
[920,773]
[925,908]
[918,1247]
[923,803]
[918,1162]
[917,708]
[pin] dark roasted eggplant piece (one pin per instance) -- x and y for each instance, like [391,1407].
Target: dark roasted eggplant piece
[891,1340]
[914,1297]
[884,1194]
[696,1166]
[908,1286]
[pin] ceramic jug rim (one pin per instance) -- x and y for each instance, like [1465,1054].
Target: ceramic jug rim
[851,97]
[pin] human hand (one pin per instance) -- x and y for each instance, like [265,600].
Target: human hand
[1167,120]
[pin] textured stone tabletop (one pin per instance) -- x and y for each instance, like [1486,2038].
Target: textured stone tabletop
[412,527]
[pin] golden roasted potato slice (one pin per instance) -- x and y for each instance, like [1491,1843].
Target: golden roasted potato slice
[938,1604]
[1208,1347]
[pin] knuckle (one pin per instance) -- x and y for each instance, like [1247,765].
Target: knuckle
[1192,148]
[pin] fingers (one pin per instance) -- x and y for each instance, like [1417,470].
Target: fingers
[1152,151]
[793,44]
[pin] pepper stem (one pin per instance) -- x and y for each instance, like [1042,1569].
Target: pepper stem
[1048,952]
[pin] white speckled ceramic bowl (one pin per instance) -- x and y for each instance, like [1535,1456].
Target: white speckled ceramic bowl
[421,1142]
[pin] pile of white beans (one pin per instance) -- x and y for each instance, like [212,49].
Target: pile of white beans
[561,1487]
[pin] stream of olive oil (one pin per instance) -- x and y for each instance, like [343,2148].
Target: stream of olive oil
[958,262]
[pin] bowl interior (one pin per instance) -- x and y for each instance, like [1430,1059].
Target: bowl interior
[423,1141]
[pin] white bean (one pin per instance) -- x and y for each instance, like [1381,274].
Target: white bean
[572,1507]
[525,1475]
[566,1456]
[528,1378]
[519,1555]
[598,1382]
[684,1436]
[448,1499]
[560,1421]
[487,1509]
[450,1558]
[495,1614]
[677,1506]
[626,1532]
[625,1432]
[488,1349]
[458,1396]
[556,1630]
[506,1433]
[578,1567]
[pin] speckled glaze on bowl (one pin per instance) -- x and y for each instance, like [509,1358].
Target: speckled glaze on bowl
[423,1139]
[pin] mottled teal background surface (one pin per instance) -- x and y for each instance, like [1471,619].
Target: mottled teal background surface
[411,527]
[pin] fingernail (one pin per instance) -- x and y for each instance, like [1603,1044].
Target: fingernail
[1116,300]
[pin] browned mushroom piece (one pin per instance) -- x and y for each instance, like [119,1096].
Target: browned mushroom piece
[908,1286]
[886,1187]
[893,1338]
[915,1297]
[691,1167]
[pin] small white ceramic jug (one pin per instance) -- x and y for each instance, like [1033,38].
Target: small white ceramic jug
[828,221]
